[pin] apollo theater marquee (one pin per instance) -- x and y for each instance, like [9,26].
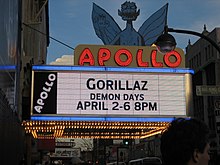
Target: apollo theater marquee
[113,84]
[111,88]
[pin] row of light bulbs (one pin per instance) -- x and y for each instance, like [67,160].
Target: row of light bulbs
[106,135]
[102,136]
[92,123]
[48,126]
[40,129]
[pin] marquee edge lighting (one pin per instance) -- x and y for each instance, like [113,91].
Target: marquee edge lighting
[110,69]
[8,67]
[121,119]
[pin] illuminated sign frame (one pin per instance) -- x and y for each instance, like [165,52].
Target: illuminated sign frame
[8,67]
[45,96]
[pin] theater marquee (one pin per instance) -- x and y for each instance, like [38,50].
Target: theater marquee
[110,91]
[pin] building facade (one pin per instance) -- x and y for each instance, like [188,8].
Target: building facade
[205,60]
[35,40]
[12,136]
[21,46]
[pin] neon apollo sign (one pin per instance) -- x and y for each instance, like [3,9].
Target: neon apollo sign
[127,56]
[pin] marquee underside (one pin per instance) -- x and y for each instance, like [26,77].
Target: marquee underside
[93,129]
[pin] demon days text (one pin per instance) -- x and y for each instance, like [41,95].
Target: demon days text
[118,101]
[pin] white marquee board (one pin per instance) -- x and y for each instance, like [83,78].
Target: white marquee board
[95,93]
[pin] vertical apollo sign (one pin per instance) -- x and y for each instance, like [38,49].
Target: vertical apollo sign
[45,93]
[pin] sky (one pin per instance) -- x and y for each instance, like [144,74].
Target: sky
[70,21]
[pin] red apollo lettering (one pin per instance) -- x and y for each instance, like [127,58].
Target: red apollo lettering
[86,57]
[175,63]
[140,62]
[103,55]
[154,60]
[124,52]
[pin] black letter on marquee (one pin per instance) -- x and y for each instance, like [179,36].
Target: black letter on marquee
[144,85]
[87,83]
[79,106]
